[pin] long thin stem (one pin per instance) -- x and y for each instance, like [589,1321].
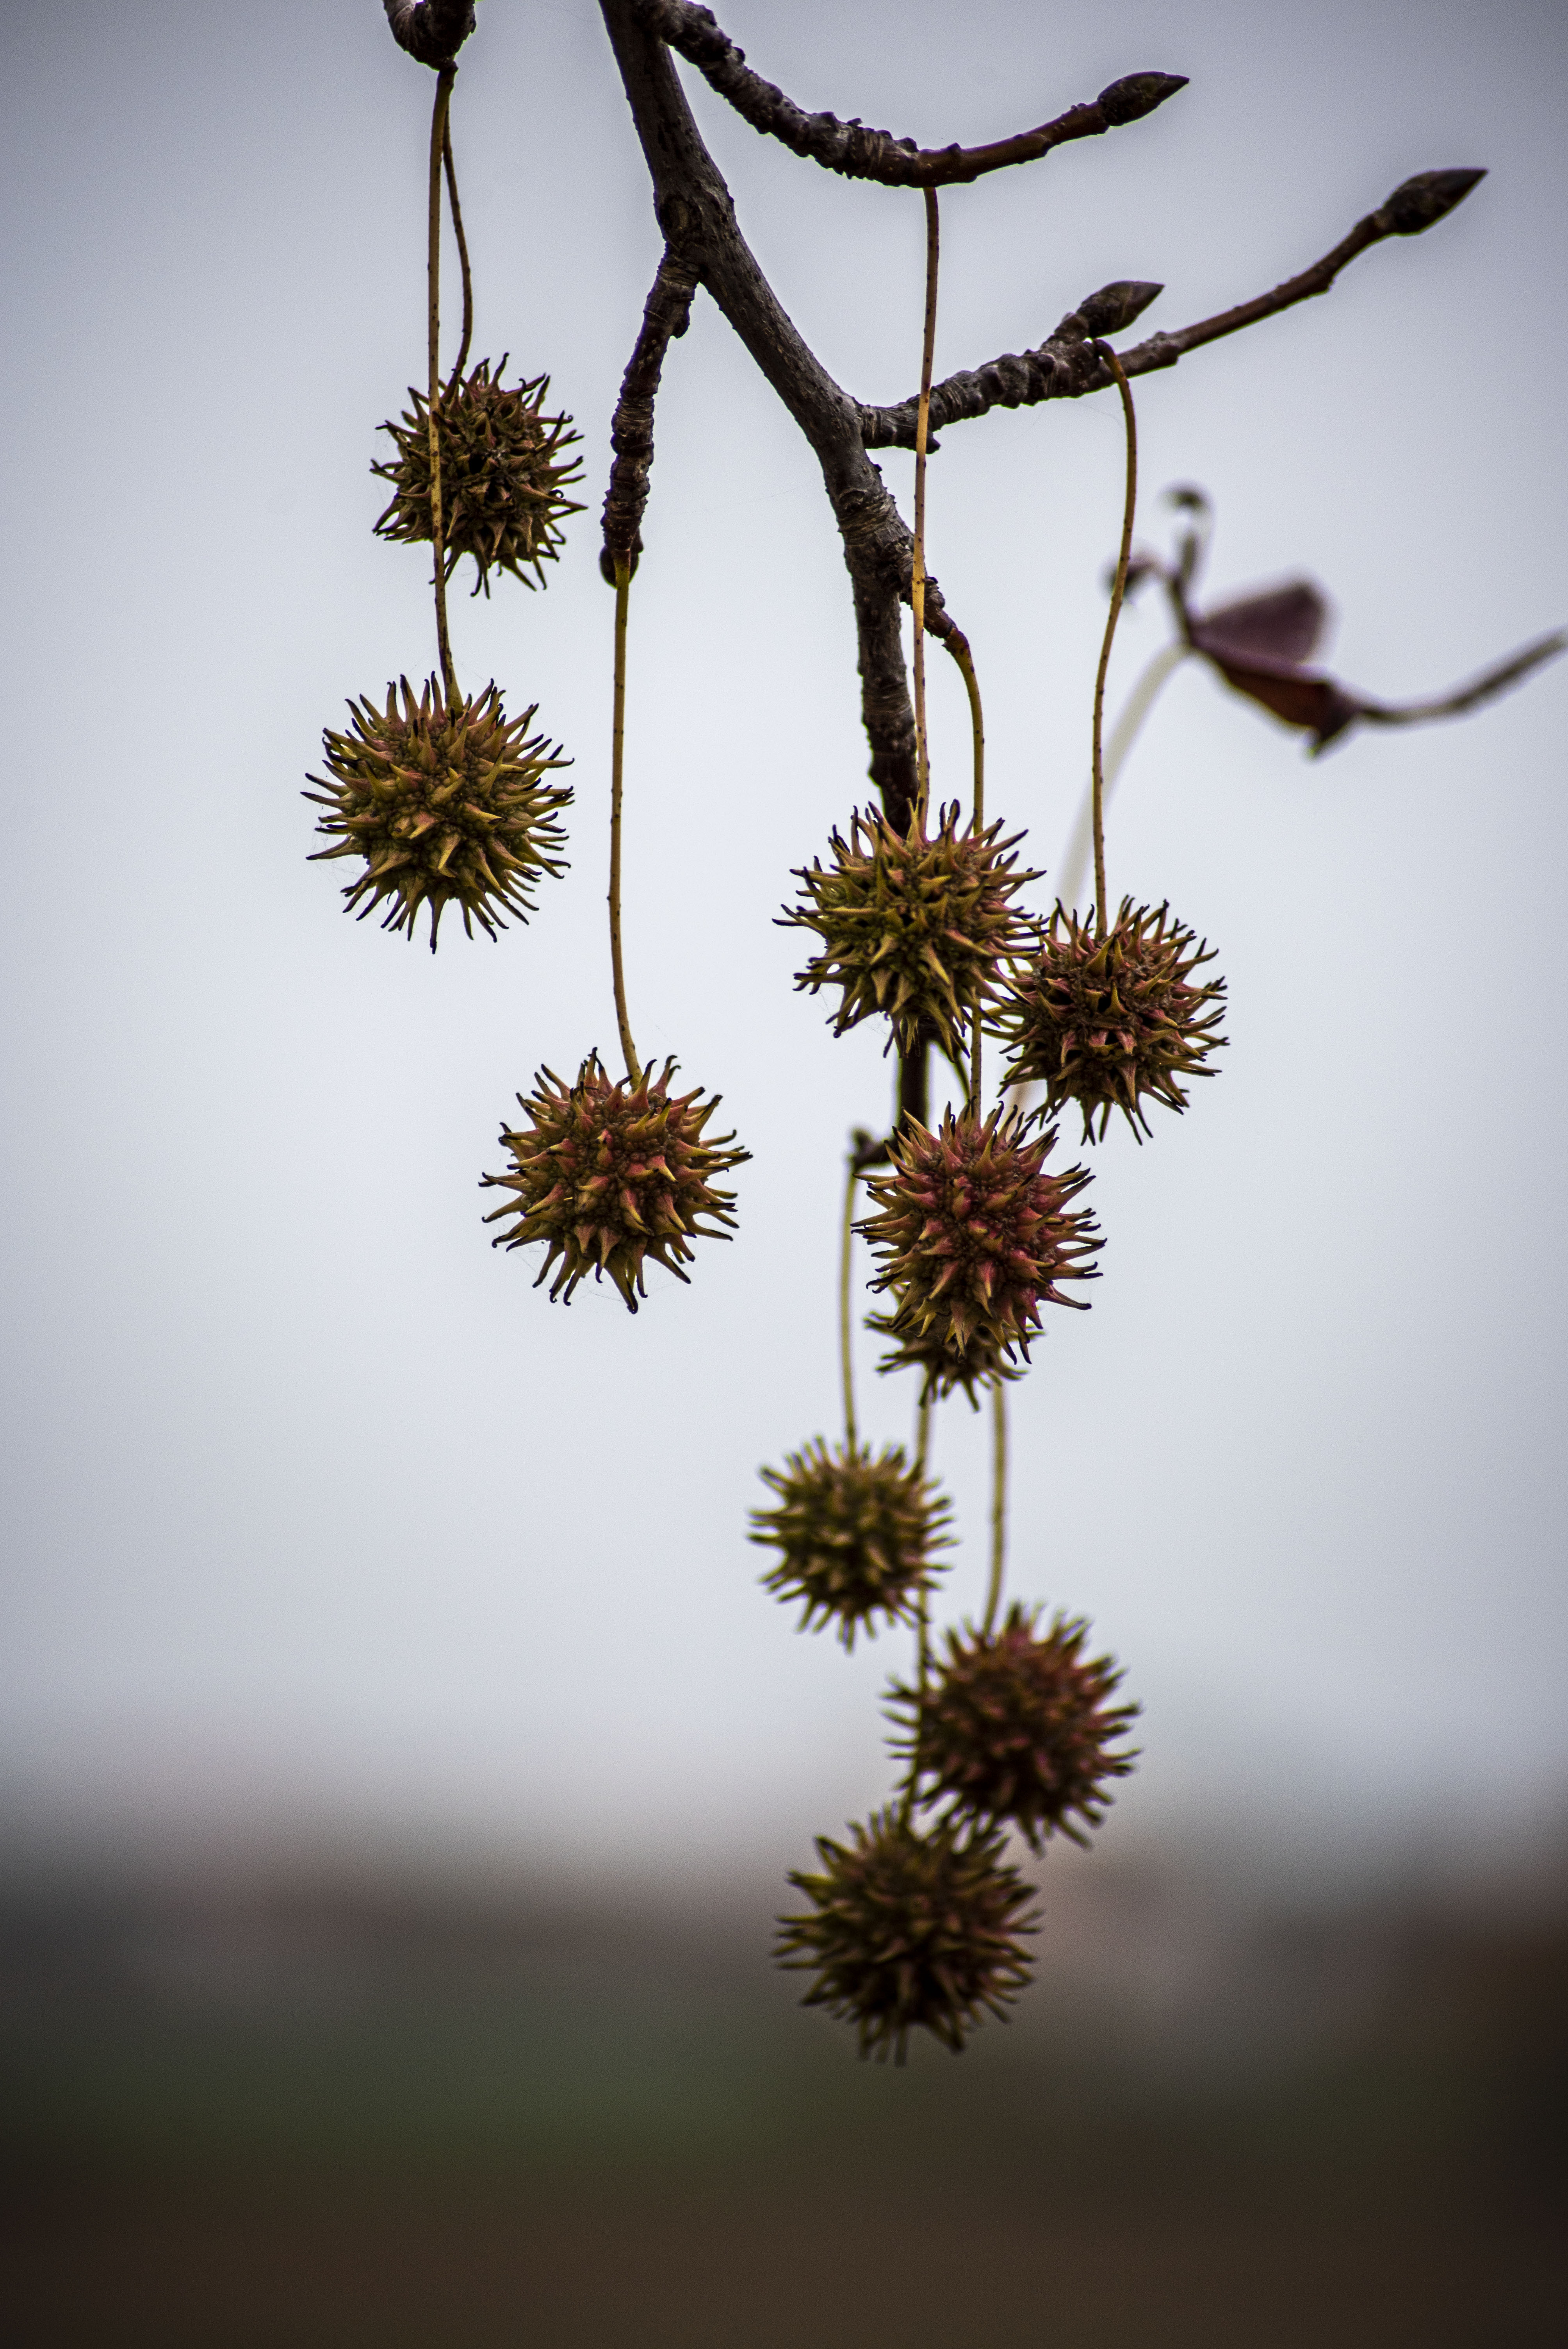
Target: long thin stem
[1139,701]
[1129,505]
[917,570]
[617,770]
[846,1346]
[998,1499]
[457,375]
[958,645]
[444,81]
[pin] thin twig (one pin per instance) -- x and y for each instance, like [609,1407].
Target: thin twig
[457,375]
[1139,701]
[444,80]
[861,154]
[618,764]
[846,1344]
[1118,590]
[998,1500]
[921,435]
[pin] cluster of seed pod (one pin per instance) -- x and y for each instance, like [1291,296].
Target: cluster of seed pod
[445,800]
[917,1920]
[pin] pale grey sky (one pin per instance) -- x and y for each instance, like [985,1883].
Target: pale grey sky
[317,1518]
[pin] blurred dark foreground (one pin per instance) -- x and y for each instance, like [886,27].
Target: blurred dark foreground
[311,2114]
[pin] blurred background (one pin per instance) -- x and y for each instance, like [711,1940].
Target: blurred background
[400,1763]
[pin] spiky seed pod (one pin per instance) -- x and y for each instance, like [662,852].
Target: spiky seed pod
[1112,1022]
[910,1928]
[504,476]
[974,1236]
[855,1531]
[1017,1727]
[913,927]
[942,1369]
[611,1174]
[446,801]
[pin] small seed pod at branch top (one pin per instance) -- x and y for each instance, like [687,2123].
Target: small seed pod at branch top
[974,1236]
[855,1531]
[913,926]
[1017,1729]
[609,1175]
[910,1930]
[447,801]
[941,1368]
[1112,1022]
[504,477]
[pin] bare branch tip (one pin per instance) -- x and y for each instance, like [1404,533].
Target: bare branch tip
[1136,95]
[1420,203]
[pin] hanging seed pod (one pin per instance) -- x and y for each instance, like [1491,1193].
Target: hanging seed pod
[446,802]
[1112,1022]
[1017,1729]
[942,1369]
[504,475]
[611,1174]
[913,926]
[855,1531]
[974,1236]
[910,1930]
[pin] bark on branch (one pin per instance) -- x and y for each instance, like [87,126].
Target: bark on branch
[1065,365]
[861,154]
[667,314]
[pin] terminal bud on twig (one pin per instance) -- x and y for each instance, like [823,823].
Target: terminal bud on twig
[1113,309]
[1429,198]
[1136,95]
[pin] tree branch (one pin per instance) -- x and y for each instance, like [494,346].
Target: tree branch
[696,215]
[1066,366]
[433,31]
[666,317]
[861,154]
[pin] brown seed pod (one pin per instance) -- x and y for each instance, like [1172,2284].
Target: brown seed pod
[913,927]
[855,1531]
[1017,1729]
[611,1174]
[446,801]
[910,1928]
[504,477]
[942,1369]
[974,1236]
[1113,1022]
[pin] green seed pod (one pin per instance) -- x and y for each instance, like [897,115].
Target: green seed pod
[854,1531]
[1113,1022]
[913,927]
[503,475]
[910,1928]
[446,802]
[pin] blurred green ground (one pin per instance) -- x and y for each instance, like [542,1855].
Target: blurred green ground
[276,2116]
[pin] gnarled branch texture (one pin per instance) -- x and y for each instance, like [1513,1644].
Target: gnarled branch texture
[862,154]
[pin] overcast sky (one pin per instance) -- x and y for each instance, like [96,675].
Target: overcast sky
[319,1521]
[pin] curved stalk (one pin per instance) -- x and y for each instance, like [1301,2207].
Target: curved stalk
[917,568]
[444,81]
[998,1500]
[1123,734]
[617,768]
[846,1344]
[457,375]
[958,645]
[1118,590]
